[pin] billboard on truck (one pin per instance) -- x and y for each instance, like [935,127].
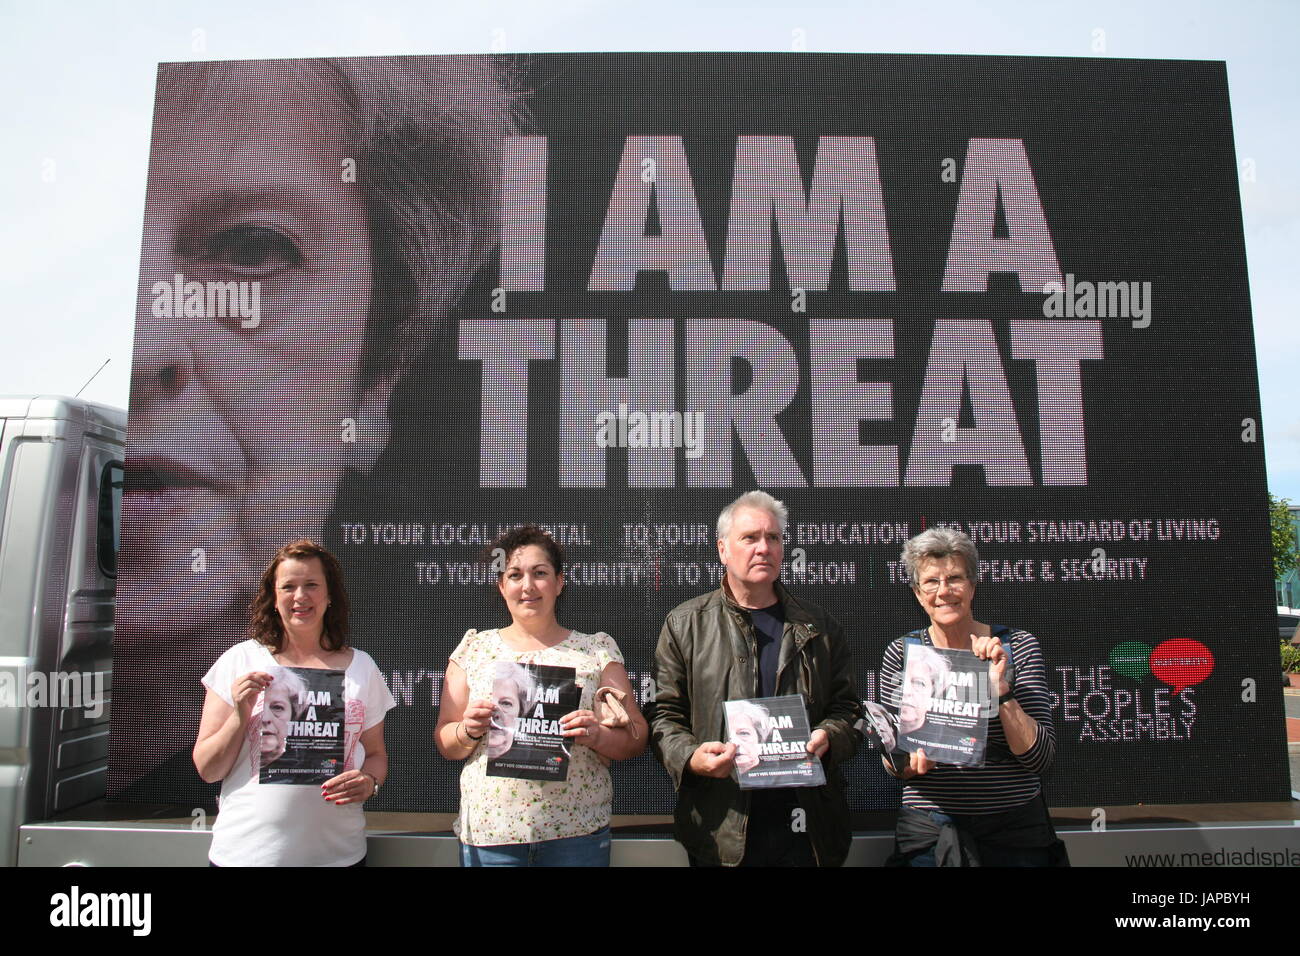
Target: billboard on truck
[404,303]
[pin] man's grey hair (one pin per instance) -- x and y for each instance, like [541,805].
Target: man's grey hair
[756,714]
[937,544]
[290,680]
[752,499]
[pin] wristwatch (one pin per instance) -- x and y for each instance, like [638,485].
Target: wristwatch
[1009,695]
[374,782]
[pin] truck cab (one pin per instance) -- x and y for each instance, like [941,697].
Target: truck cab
[61,470]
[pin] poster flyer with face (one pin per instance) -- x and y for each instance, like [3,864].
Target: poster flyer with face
[525,739]
[300,726]
[881,730]
[944,705]
[771,736]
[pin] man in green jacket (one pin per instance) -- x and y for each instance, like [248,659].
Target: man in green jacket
[752,638]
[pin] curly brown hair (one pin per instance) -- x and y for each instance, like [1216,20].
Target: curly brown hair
[522,537]
[266,627]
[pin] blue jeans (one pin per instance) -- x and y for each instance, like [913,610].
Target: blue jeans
[990,855]
[589,850]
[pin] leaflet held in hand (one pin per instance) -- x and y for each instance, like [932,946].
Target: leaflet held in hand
[944,705]
[299,728]
[525,739]
[771,735]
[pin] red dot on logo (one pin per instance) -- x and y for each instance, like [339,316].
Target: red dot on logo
[1181,663]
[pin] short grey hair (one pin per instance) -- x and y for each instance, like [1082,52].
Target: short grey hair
[519,675]
[935,545]
[752,499]
[756,713]
[427,134]
[931,660]
[290,680]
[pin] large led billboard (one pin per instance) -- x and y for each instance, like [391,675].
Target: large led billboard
[404,303]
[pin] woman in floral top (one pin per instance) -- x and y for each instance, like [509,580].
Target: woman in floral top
[506,821]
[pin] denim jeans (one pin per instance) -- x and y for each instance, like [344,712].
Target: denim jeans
[589,850]
[990,854]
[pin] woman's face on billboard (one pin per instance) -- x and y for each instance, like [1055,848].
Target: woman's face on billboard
[254,297]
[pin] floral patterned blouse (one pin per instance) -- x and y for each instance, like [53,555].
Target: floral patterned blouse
[500,810]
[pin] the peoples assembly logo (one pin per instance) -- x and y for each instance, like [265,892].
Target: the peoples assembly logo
[1123,699]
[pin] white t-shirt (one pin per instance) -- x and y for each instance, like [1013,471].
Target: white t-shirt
[287,824]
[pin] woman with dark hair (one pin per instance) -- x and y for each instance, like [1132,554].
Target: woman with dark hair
[299,620]
[511,822]
[991,815]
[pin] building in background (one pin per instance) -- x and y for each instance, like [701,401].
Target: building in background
[1288,585]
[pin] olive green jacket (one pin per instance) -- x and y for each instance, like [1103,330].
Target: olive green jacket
[707,654]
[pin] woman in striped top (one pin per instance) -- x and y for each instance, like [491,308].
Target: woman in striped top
[992,815]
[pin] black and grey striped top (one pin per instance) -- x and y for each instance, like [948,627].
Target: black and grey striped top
[1006,780]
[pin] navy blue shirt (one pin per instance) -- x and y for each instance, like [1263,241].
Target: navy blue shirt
[769,624]
[769,808]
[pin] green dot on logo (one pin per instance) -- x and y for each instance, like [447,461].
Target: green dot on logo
[1132,659]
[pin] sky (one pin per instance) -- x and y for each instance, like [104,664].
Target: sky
[80,78]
